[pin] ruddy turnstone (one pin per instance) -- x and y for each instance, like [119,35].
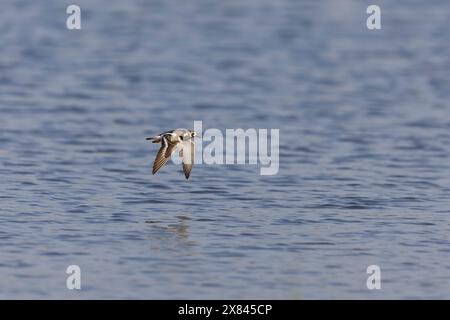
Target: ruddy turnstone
[170,141]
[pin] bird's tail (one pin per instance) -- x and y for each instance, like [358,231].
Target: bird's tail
[155,139]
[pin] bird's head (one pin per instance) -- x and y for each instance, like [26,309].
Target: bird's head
[193,133]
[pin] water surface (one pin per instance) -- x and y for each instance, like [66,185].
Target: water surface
[364,149]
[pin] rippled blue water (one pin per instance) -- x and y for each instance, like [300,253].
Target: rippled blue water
[365,144]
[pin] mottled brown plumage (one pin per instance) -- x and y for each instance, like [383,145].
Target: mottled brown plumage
[170,140]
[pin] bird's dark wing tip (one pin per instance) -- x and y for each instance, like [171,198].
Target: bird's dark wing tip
[187,171]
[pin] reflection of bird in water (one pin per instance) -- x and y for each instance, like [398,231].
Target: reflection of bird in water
[170,140]
[164,233]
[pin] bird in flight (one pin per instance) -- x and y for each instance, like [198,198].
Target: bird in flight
[170,141]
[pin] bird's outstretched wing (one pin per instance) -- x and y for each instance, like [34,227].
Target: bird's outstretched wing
[187,154]
[164,154]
